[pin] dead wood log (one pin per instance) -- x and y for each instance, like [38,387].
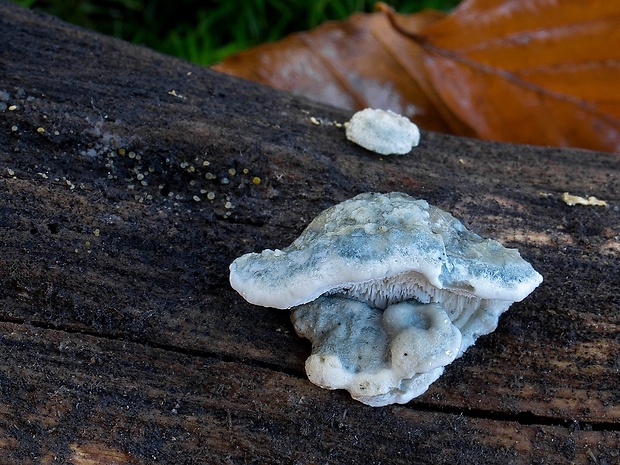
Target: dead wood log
[128,183]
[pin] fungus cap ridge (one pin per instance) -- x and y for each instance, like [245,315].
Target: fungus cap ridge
[376,236]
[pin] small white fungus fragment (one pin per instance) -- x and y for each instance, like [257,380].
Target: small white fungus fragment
[383,132]
[174,93]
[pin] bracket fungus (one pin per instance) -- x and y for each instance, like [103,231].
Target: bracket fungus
[380,357]
[389,289]
[383,132]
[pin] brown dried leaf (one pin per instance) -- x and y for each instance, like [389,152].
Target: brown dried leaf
[531,71]
[353,64]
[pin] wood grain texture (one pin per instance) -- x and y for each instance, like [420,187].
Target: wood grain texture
[90,398]
[122,342]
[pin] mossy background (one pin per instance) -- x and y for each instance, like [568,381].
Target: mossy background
[205,32]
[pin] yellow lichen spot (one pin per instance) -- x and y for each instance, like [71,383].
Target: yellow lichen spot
[232,171]
[256,180]
[97,232]
[121,151]
[40,130]
[87,243]
[191,168]
[246,171]
[206,163]
[572,200]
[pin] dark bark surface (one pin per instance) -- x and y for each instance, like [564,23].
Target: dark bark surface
[122,342]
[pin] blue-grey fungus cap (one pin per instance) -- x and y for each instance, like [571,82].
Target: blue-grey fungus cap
[384,249]
[380,357]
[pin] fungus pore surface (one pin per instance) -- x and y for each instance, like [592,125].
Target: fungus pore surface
[389,290]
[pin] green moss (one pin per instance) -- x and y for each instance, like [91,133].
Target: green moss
[205,32]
